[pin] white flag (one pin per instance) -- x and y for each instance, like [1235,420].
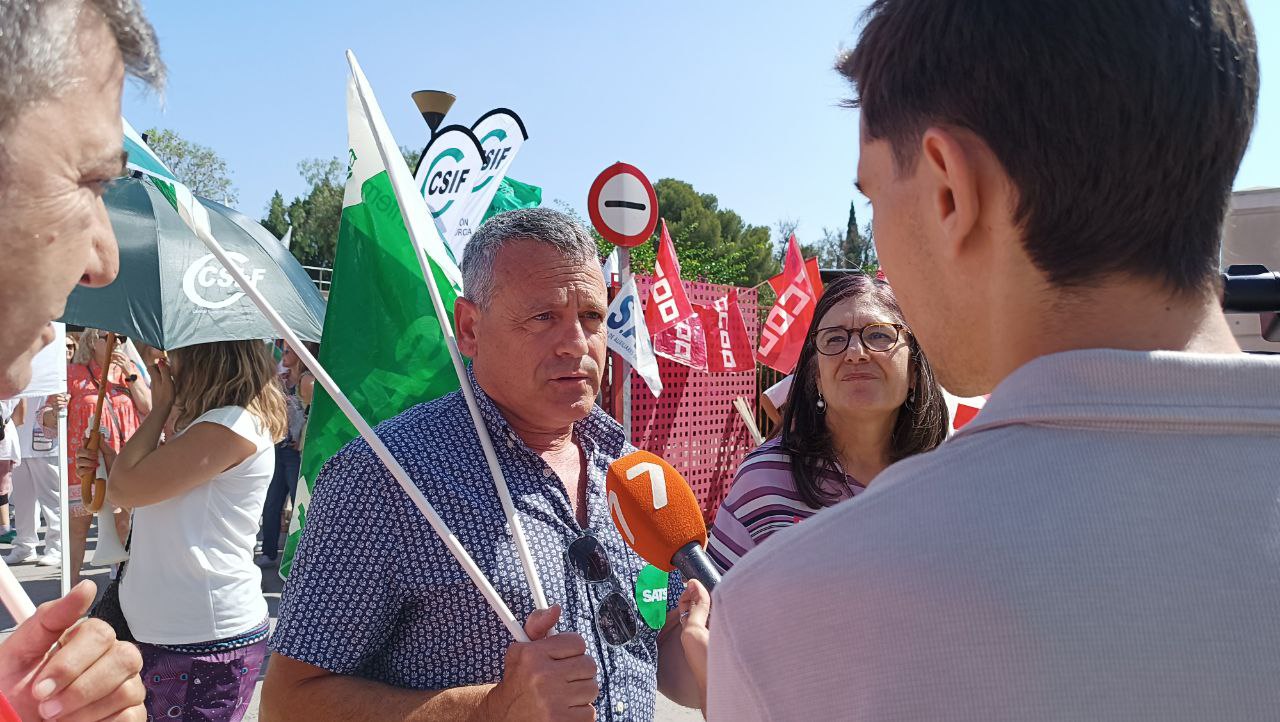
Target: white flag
[450,167]
[501,135]
[49,366]
[629,337]
[612,265]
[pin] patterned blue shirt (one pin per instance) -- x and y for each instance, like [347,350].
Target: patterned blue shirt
[376,594]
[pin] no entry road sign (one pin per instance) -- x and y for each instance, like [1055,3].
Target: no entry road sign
[623,205]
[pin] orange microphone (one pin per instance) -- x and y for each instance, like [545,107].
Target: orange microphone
[658,516]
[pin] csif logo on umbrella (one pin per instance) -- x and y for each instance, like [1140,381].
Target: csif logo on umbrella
[208,284]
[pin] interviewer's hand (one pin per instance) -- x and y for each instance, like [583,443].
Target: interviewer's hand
[89,676]
[548,678]
[695,611]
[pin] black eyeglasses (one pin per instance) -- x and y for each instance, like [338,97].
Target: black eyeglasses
[879,337]
[616,614]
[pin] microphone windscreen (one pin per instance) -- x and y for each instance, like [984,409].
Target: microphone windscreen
[653,507]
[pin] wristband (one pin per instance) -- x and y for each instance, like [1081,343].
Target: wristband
[131,378]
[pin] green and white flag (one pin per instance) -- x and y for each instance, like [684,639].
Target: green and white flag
[511,195]
[142,158]
[382,341]
[145,160]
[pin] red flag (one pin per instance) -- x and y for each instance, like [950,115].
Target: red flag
[685,343]
[967,410]
[779,282]
[728,346]
[668,305]
[783,334]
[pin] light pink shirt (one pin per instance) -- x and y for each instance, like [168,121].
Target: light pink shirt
[1101,543]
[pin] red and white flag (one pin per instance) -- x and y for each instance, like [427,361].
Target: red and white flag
[784,329]
[728,346]
[685,343]
[964,410]
[668,304]
[779,282]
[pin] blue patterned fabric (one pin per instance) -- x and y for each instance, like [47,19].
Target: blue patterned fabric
[375,593]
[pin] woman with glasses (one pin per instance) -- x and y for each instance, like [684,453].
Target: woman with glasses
[863,397]
[127,400]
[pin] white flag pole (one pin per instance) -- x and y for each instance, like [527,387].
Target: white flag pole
[64,526]
[14,597]
[401,184]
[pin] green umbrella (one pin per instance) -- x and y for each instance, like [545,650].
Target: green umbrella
[171,292]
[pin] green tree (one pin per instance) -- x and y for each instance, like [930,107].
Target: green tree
[856,247]
[850,248]
[316,216]
[277,220]
[199,166]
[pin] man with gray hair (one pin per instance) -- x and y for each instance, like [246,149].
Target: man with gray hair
[377,615]
[62,67]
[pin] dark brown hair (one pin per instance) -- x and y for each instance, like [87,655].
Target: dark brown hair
[921,424]
[1121,123]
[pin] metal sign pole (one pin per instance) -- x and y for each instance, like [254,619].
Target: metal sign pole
[624,275]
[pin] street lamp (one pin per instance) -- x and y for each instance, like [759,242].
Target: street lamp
[434,105]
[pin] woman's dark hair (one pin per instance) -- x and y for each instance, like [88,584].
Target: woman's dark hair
[920,427]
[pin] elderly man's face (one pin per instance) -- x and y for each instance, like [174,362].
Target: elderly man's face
[56,158]
[539,347]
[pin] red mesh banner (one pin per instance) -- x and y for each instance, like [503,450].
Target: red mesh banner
[694,425]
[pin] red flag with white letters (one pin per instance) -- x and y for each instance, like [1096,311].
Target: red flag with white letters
[685,343]
[728,346]
[788,321]
[779,282]
[668,304]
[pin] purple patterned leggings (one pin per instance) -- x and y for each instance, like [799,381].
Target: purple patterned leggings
[200,688]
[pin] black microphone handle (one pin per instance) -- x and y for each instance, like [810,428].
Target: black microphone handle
[1254,292]
[693,563]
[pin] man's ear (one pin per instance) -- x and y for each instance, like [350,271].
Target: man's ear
[953,201]
[466,315]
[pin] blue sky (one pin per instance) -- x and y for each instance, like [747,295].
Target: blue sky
[737,98]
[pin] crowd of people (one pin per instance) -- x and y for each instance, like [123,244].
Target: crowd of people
[1098,544]
[191,518]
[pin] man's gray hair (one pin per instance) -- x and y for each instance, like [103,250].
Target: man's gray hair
[38,45]
[544,225]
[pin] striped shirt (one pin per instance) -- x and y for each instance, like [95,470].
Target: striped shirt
[763,500]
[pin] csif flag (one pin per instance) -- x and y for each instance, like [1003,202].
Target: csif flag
[446,173]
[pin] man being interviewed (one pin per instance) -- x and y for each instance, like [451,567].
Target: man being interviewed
[379,621]
[1049,181]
